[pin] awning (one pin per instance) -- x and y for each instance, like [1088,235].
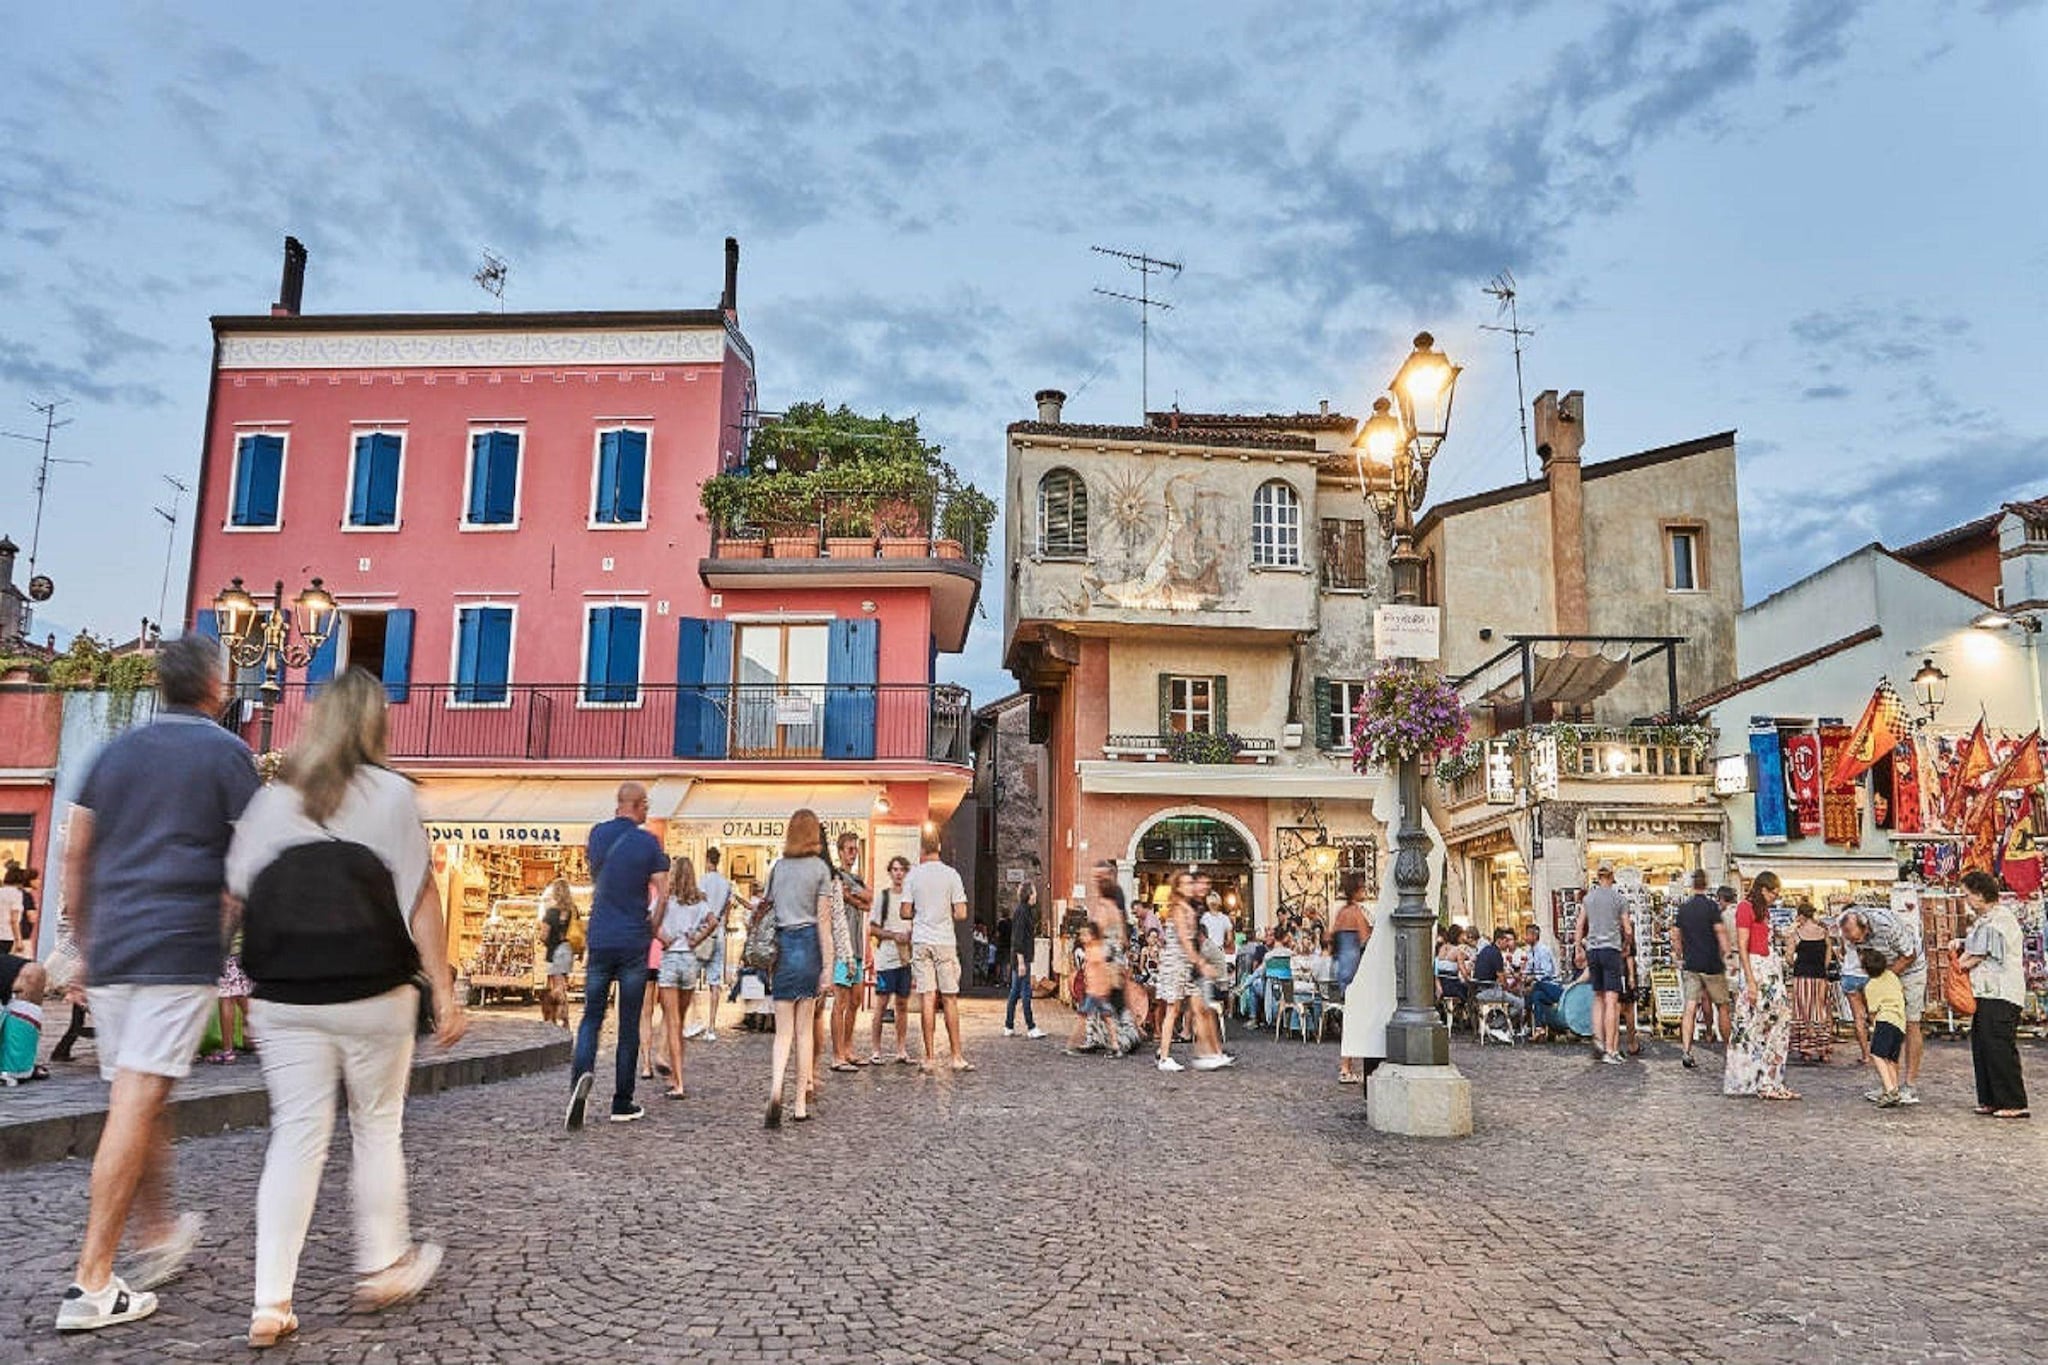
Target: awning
[1571,675]
[759,811]
[537,810]
[1809,869]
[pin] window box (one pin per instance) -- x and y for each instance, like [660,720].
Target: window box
[742,548]
[850,547]
[783,546]
[906,547]
[949,549]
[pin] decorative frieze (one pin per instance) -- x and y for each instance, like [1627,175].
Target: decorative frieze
[443,350]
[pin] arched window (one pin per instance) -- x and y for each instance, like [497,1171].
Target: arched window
[1062,514]
[1276,526]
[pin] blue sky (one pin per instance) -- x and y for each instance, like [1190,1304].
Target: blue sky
[1818,222]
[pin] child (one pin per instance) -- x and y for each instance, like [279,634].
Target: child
[1885,998]
[1098,980]
[21,1028]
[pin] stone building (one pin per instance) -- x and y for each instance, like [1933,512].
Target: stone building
[1189,607]
[1008,802]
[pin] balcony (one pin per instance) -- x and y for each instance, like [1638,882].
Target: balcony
[1533,762]
[1175,749]
[663,722]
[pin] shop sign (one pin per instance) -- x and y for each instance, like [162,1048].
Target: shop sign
[1732,775]
[491,832]
[793,708]
[1500,773]
[759,830]
[1407,632]
[1543,766]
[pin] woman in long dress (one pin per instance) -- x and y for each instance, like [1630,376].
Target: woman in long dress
[1350,931]
[1813,1021]
[1762,1032]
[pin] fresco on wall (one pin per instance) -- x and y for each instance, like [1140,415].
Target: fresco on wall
[1163,553]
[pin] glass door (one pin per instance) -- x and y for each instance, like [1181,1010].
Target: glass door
[778,706]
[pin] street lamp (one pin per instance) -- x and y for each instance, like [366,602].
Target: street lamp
[1393,455]
[2028,624]
[1930,688]
[258,636]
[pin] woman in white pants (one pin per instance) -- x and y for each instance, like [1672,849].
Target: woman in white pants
[326,864]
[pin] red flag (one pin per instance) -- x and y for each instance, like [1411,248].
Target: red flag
[1881,727]
[1972,761]
[1907,817]
[2022,767]
[1802,775]
[1841,821]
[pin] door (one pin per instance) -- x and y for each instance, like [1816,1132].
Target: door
[778,707]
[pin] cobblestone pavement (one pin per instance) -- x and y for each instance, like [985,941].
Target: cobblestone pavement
[1054,1208]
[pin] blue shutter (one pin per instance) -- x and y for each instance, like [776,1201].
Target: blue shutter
[259,469]
[468,624]
[607,507]
[398,653]
[504,478]
[479,479]
[493,653]
[359,513]
[320,668]
[624,671]
[597,657]
[703,686]
[382,508]
[207,624]
[850,663]
[630,491]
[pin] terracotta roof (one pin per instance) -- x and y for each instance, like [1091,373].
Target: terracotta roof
[1953,536]
[2033,509]
[1780,670]
[1175,420]
[1158,436]
[1642,459]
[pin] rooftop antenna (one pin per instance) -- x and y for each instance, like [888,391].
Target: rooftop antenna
[40,588]
[490,276]
[1147,267]
[1502,288]
[170,516]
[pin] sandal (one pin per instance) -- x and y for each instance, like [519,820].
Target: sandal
[400,1282]
[1777,1094]
[674,1094]
[844,1066]
[962,1064]
[269,1325]
[2012,1114]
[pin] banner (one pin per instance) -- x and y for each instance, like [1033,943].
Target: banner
[1840,823]
[1802,778]
[1879,729]
[1770,784]
[1907,815]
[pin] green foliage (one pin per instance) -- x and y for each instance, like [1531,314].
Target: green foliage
[1200,748]
[968,516]
[90,664]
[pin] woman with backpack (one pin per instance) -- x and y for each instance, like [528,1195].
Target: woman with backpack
[341,931]
[798,902]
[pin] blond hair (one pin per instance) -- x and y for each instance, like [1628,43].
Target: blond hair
[805,837]
[344,732]
[558,896]
[682,882]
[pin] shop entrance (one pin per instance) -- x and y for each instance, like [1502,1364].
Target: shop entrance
[1177,843]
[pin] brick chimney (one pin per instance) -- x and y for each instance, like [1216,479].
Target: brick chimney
[292,286]
[1560,432]
[729,301]
[1049,401]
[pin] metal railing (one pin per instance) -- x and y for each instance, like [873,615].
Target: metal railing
[1249,750]
[543,722]
[850,525]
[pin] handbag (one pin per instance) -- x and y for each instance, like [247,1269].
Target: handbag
[1956,989]
[759,953]
[706,947]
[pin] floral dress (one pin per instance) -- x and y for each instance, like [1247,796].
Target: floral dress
[1762,1034]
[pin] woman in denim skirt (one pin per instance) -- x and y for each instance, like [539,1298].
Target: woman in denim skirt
[798,891]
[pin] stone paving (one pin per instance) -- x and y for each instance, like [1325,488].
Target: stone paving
[1054,1208]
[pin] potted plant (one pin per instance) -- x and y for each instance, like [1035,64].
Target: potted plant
[786,506]
[902,526]
[964,525]
[849,528]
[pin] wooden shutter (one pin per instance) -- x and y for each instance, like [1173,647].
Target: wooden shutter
[630,489]
[1219,705]
[1325,723]
[703,686]
[851,657]
[1165,704]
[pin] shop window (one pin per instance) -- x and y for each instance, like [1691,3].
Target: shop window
[1684,565]
[1276,526]
[611,656]
[1063,515]
[259,481]
[17,837]
[492,498]
[619,496]
[483,656]
[1191,705]
[373,479]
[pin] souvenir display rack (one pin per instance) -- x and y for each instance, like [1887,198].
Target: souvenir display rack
[495,873]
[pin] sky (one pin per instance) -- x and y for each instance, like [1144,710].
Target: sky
[1819,223]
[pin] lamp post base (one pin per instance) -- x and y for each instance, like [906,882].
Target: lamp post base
[1419,1101]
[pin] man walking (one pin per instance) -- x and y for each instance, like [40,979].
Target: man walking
[143,877]
[1604,933]
[629,875]
[1699,940]
[1022,946]
[1889,933]
[717,889]
[935,898]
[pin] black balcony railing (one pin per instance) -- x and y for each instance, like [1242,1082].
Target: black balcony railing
[543,722]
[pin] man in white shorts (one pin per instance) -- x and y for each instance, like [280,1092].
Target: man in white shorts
[143,875]
[934,898]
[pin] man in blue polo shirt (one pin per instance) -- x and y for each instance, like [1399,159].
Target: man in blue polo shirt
[629,873]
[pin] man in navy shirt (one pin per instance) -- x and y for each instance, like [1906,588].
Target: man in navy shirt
[630,876]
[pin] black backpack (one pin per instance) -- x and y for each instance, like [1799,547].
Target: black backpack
[322,924]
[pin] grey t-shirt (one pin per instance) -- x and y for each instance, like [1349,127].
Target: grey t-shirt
[794,885]
[164,800]
[1604,908]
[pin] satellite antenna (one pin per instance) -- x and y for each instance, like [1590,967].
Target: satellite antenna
[490,276]
[40,588]
[1147,267]
[1502,287]
[170,516]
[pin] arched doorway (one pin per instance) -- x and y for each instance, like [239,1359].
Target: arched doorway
[1208,841]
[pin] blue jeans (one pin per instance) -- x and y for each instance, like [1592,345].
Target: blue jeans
[1543,998]
[1020,989]
[603,966]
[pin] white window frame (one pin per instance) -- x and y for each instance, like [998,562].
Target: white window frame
[1175,682]
[1345,694]
[1283,528]
[283,431]
[1087,529]
[583,703]
[476,429]
[455,649]
[596,464]
[1695,536]
[356,432]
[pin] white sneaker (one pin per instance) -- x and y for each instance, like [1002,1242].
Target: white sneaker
[1611,1058]
[1009,1033]
[1908,1095]
[710,1035]
[159,1265]
[1168,1064]
[1036,1033]
[83,1312]
[1500,1036]
[1216,1063]
[693,1031]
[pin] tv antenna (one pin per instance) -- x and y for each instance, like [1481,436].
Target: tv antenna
[1147,267]
[1502,288]
[170,516]
[39,588]
[490,276]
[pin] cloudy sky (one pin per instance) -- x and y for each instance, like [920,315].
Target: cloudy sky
[1818,221]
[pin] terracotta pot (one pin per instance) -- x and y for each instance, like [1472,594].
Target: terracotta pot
[906,547]
[793,547]
[949,549]
[742,549]
[850,547]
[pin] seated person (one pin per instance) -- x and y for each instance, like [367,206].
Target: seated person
[1277,964]
[1453,966]
[21,1027]
[1490,975]
[1541,986]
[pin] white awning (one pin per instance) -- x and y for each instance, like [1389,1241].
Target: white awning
[1572,674]
[760,810]
[1811,869]
[562,801]
[1256,781]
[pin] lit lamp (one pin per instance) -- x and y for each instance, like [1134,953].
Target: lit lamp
[1322,856]
[1930,688]
[1617,761]
[257,636]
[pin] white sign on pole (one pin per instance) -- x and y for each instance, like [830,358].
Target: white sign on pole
[1407,632]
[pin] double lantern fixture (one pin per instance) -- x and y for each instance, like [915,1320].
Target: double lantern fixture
[269,638]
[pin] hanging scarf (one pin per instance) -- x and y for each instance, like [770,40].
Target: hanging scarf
[1840,821]
[1770,783]
[1802,775]
[1906,813]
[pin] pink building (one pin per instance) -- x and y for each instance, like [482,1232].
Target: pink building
[506,508]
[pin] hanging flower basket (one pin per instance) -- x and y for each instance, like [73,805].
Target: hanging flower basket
[1406,713]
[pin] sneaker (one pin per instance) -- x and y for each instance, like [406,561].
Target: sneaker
[401,1282]
[1908,1095]
[579,1100]
[693,1031]
[1168,1064]
[1875,1095]
[1688,1061]
[710,1035]
[1610,1059]
[1890,1099]
[1009,1033]
[1500,1036]
[80,1311]
[1035,1033]
[159,1265]
[633,1110]
[1216,1063]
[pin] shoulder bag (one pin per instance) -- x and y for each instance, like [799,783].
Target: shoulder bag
[706,947]
[759,952]
[1957,991]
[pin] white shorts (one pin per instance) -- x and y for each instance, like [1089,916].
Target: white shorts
[151,1029]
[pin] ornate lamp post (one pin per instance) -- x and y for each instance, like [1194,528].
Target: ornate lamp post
[1393,455]
[1930,689]
[256,635]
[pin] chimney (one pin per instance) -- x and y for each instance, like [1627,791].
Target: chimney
[1560,433]
[1049,403]
[729,301]
[1325,408]
[292,287]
